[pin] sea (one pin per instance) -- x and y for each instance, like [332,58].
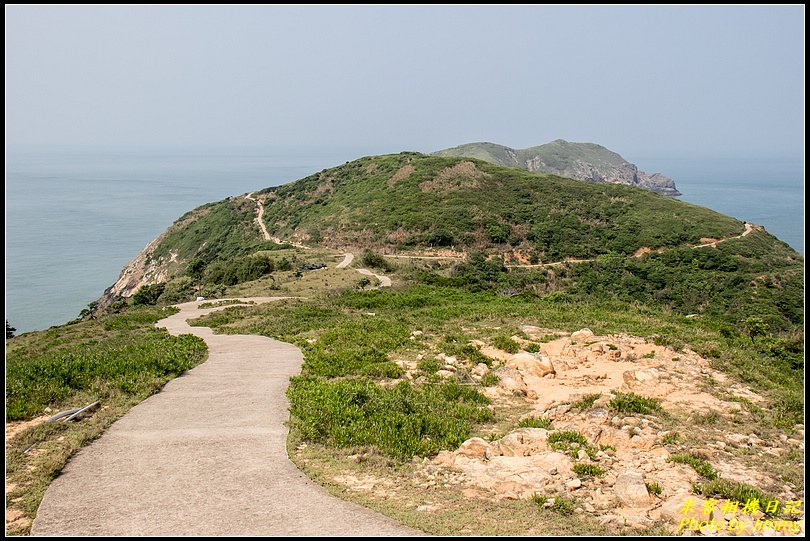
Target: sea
[75,218]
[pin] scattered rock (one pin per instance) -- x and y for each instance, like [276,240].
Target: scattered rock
[631,491]
[475,448]
[573,484]
[643,376]
[444,373]
[511,380]
[581,335]
[480,370]
[531,363]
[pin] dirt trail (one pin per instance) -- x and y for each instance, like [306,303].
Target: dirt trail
[205,456]
[385,281]
[748,229]
[260,219]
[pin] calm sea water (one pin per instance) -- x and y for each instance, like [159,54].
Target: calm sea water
[73,220]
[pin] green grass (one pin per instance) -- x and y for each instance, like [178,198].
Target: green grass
[672,437]
[429,366]
[535,422]
[571,443]
[586,402]
[506,344]
[402,421]
[117,359]
[588,470]
[654,488]
[630,403]
[489,380]
[701,466]
[562,505]
[96,359]
[734,490]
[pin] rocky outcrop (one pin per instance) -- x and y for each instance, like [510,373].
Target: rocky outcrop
[582,161]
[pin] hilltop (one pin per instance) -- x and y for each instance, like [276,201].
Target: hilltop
[583,161]
[412,201]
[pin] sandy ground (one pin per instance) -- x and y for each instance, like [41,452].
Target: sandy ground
[206,456]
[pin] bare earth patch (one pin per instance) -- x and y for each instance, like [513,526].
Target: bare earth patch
[463,175]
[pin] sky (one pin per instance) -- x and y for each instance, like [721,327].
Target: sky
[635,79]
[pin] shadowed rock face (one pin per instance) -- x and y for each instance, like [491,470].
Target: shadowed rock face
[582,161]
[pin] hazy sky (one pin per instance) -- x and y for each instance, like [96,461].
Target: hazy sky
[720,79]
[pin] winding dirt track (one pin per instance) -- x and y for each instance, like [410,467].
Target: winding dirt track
[205,456]
[260,218]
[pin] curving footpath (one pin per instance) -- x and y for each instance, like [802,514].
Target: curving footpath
[205,456]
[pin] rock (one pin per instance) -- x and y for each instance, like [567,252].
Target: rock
[444,373]
[603,401]
[581,335]
[737,438]
[475,448]
[417,333]
[445,458]
[532,394]
[534,364]
[631,491]
[672,509]
[451,361]
[614,355]
[582,455]
[659,453]
[523,442]
[573,484]
[643,376]
[480,370]
[511,380]
[702,452]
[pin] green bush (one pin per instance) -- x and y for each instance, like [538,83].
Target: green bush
[489,380]
[506,344]
[535,422]
[148,294]
[654,488]
[402,421]
[95,359]
[586,402]
[700,465]
[588,470]
[236,271]
[633,403]
[431,366]
[376,261]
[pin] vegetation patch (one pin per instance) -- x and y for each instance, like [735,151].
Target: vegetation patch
[402,421]
[734,490]
[506,344]
[629,403]
[586,402]
[701,466]
[118,359]
[588,470]
[535,422]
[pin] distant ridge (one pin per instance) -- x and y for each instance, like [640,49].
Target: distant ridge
[582,161]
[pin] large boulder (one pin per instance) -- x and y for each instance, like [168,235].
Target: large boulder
[522,442]
[533,364]
[646,376]
[511,380]
[475,448]
[631,490]
[581,335]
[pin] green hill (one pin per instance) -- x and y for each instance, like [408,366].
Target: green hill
[583,161]
[411,200]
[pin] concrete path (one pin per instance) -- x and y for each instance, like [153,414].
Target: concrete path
[385,281]
[205,456]
[347,260]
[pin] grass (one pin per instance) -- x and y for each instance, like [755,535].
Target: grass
[654,488]
[560,504]
[118,359]
[588,470]
[631,403]
[506,344]
[402,421]
[571,443]
[734,490]
[586,402]
[700,465]
[535,422]
[671,438]
[489,380]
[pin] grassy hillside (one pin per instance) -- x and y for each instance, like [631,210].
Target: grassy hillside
[411,200]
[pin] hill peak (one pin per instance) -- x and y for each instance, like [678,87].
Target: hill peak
[583,161]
